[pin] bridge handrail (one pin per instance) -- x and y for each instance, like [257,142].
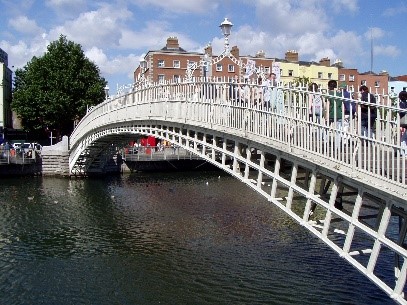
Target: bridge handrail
[240,108]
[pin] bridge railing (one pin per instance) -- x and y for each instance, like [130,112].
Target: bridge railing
[286,120]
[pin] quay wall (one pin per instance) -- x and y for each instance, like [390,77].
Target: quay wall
[12,169]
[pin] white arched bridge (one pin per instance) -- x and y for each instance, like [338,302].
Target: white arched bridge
[345,185]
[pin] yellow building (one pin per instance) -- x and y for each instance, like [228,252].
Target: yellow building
[291,68]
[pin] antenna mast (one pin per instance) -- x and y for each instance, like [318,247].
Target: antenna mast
[371,44]
[371,51]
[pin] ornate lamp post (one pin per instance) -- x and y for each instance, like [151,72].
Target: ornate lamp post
[143,66]
[206,61]
[106,92]
[226,27]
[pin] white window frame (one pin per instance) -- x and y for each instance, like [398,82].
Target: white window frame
[342,77]
[191,64]
[320,75]
[329,75]
[176,64]
[351,78]
[363,82]
[161,78]
[161,63]
[231,68]
[219,68]
[177,78]
[290,72]
[377,83]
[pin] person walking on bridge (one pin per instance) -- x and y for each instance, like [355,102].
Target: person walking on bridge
[403,122]
[368,112]
[335,112]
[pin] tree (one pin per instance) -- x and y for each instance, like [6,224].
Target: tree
[53,91]
[302,82]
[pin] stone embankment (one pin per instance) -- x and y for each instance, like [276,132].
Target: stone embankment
[55,159]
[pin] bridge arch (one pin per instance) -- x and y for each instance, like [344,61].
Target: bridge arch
[354,207]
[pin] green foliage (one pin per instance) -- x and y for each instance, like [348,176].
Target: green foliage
[302,81]
[54,90]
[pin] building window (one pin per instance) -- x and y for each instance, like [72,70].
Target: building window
[231,68]
[219,67]
[320,75]
[191,63]
[267,69]
[161,63]
[363,82]
[351,88]
[329,75]
[290,72]
[161,78]
[177,78]
[176,64]
[377,83]
[342,77]
[351,78]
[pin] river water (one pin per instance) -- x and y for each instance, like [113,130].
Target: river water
[168,238]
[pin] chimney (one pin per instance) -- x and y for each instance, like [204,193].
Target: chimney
[291,56]
[172,43]
[235,51]
[208,50]
[260,54]
[338,63]
[325,62]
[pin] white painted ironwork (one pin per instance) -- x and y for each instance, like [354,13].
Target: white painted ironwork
[346,188]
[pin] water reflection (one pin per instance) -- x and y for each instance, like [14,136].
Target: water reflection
[190,238]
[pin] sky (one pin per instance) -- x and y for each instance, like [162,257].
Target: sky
[116,34]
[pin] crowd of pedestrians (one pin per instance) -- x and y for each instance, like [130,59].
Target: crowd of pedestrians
[337,108]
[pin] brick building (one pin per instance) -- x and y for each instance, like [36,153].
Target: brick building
[171,62]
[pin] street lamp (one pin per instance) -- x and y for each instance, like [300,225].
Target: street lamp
[226,27]
[206,61]
[143,69]
[106,92]
[143,65]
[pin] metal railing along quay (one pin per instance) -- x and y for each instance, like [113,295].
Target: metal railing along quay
[157,153]
[11,156]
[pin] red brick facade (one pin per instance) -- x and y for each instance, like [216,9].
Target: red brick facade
[170,63]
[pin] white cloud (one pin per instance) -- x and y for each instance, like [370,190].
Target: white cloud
[345,5]
[348,46]
[95,28]
[116,65]
[181,6]
[24,25]
[67,8]
[291,17]
[395,11]
[391,51]
[375,33]
[21,52]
